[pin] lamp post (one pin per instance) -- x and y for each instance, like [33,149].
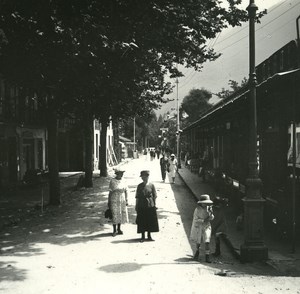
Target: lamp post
[134,148]
[178,128]
[253,248]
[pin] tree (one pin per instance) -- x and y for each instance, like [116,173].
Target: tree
[234,87]
[99,54]
[195,103]
[138,62]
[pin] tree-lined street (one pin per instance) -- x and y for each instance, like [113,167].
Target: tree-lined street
[93,60]
[70,249]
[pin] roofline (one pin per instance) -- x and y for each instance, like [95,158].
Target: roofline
[232,98]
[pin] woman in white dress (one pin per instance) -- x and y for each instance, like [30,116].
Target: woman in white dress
[173,167]
[118,201]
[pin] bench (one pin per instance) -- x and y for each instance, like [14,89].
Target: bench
[34,176]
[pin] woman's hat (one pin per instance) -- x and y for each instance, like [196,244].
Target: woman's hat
[172,155]
[119,170]
[145,173]
[204,199]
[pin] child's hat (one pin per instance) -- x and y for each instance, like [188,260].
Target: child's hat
[204,199]
[145,173]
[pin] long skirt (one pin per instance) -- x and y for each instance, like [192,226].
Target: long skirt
[118,208]
[146,220]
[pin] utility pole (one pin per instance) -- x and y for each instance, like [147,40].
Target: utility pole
[178,127]
[134,147]
[253,248]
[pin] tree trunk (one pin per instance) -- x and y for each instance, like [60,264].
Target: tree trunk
[103,151]
[89,145]
[54,184]
[117,148]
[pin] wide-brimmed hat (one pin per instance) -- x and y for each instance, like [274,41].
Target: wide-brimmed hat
[119,170]
[204,199]
[145,173]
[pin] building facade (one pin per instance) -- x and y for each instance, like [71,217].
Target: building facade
[23,134]
[221,137]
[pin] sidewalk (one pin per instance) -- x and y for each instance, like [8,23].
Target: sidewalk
[19,201]
[278,250]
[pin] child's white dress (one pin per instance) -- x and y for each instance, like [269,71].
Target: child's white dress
[201,227]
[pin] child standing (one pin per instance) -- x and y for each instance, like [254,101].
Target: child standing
[201,227]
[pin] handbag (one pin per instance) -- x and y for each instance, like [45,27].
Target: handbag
[108,213]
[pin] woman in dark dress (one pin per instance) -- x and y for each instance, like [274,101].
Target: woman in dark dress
[146,207]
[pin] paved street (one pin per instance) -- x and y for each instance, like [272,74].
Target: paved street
[70,249]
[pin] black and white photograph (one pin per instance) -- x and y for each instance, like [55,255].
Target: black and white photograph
[150,146]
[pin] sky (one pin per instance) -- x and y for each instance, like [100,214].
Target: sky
[276,29]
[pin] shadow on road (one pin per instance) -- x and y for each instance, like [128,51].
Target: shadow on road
[129,241]
[8,272]
[229,272]
[81,219]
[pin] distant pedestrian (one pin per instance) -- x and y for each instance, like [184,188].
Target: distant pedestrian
[158,153]
[204,166]
[219,224]
[146,207]
[173,166]
[164,166]
[186,158]
[152,154]
[201,227]
[118,201]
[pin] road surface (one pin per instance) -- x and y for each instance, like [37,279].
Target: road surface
[70,249]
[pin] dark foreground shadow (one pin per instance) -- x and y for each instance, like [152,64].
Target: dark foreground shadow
[129,241]
[215,268]
[8,272]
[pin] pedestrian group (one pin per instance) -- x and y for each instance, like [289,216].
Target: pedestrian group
[147,222]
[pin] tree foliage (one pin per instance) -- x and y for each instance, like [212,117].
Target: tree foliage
[113,54]
[195,103]
[145,127]
[234,87]
[107,59]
